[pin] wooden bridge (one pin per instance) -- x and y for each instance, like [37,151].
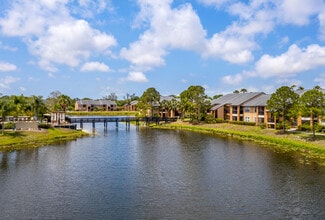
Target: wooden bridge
[115,119]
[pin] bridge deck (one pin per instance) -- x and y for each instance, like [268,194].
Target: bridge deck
[105,119]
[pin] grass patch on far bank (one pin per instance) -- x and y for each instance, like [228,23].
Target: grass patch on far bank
[291,141]
[14,140]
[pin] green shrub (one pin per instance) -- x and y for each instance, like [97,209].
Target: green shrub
[262,125]
[320,128]
[8,125]
[209,119]
[242,123]
[304,127]
[44,126]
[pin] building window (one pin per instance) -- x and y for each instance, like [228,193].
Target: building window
[247,109]
[247,119]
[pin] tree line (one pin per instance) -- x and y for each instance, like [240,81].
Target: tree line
[285,103]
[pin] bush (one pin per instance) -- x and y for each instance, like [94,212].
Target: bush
[8,125]
[320,128]
[304,127]
[263,125]
[44,126]
[209,119]
[242,123]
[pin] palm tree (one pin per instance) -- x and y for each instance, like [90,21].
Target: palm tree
[37,104]
[63,102]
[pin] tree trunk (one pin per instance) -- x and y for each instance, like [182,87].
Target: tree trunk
[313,125]
[3,125]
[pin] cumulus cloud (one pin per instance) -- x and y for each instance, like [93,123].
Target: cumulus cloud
[297,12]
[52,34]
[136,77]
[7,67]
[294,61]
[177,28]
[94,66]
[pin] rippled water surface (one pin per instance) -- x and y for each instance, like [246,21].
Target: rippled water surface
[158,174]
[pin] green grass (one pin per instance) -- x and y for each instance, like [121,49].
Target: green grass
[295,142]
[14,140]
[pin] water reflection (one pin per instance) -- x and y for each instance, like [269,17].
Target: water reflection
[158,174]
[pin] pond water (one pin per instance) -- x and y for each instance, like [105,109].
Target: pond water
[143,173]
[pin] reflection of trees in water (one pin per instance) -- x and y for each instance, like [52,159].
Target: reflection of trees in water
[4,161]
[15,157]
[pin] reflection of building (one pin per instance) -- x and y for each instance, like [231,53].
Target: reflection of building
[95,105]
[58,117]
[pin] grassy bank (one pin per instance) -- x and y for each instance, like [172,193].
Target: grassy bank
[14,140]
[103,113]
[311,150]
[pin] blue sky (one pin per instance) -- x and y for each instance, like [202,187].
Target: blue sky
[91,48]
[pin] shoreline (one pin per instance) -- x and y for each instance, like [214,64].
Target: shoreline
[311,151]
[17,140]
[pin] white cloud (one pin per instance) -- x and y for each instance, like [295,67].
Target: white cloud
[294,61]
[7,81]
[7,67]
[136,77]
[231,49]
[52,34]
[94,66]
[233,79]
[177,28]
[70,43]
[297,12]
[33,22]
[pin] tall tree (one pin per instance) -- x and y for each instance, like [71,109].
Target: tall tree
[5,107]
[38,105]
[149,99]
[63,102]
[194,102]
[312,103]
[21,106]
[51,101]
[282,104]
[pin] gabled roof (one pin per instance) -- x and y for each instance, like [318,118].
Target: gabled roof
[96,102]
[234,99]
[258,101]
[134,102]
[167,98]
[300,92]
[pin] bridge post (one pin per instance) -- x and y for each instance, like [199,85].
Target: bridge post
[81,124]
[105,124]
[116,123]
[93,124]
